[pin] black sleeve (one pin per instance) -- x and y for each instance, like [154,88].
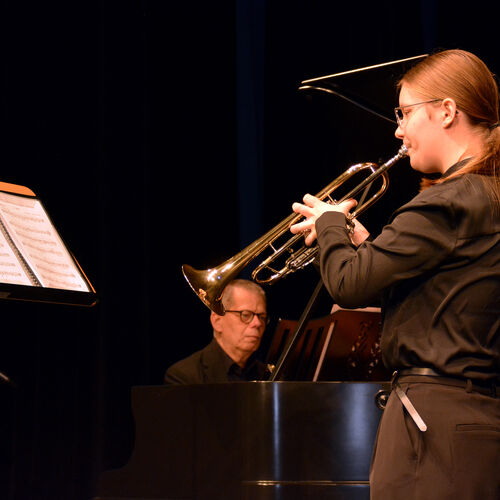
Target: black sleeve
[419,238]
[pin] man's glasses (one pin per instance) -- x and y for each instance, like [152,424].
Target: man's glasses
[247,316]
[401,114]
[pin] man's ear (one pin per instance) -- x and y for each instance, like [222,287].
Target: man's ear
[449,112]
[215,320]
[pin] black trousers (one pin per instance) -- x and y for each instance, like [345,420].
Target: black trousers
[457,458]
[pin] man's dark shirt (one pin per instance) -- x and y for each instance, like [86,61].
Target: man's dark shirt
[436,267]
[213,365]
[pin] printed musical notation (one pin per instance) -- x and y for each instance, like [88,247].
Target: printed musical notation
[11,271]
[31,250]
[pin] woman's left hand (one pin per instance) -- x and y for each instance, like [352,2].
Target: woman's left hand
[312,209]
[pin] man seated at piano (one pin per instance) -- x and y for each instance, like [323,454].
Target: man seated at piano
[230,356]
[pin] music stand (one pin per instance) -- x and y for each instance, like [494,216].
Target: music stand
[309,352]
[354,350]
[35,263]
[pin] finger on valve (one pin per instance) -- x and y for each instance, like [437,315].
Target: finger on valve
[310,236]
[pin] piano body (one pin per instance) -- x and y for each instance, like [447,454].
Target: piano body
[249,441]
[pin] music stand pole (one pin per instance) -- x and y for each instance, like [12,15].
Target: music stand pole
[302,323]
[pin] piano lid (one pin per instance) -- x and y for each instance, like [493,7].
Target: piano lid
[372,88]
[348,118]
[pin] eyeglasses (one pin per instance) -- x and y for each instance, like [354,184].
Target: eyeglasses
[401,114]
[247,316]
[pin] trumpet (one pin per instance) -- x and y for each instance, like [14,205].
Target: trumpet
[210,283]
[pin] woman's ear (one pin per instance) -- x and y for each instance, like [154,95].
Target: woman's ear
[449,112]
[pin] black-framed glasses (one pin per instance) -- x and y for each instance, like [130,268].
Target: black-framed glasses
[247,316]
[400,111]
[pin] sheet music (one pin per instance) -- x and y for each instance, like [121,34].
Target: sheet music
[39,243]
[11,271]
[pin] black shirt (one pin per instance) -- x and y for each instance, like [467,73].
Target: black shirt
[213,365]
[436,267]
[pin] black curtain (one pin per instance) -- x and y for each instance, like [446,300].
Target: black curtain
[157,134]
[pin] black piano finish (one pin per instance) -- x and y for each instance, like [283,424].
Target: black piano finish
[256,440]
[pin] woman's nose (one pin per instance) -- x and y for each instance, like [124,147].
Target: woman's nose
[399,133]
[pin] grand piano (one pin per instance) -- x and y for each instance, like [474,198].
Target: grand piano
[306,435]
[299,437]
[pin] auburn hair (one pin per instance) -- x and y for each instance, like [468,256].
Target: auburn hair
[464,77]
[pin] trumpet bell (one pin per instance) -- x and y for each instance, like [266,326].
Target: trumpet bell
[208,284]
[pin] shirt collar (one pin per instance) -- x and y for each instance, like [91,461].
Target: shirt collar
[455,167]
[228,363]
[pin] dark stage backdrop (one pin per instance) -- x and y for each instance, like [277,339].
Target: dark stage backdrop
[161,133]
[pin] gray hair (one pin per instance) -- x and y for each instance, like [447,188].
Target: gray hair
[227,295]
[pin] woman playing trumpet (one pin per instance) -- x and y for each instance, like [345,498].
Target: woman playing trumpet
[436,270]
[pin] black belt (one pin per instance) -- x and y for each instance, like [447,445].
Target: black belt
[428,375]
[432,376]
